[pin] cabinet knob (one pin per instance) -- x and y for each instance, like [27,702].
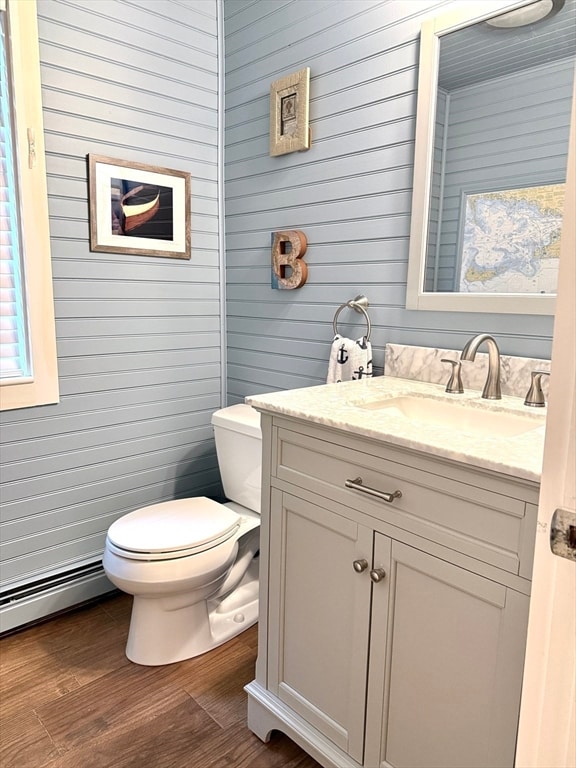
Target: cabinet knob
[360,565]
[377,574]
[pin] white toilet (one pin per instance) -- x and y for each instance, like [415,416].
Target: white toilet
[192,564]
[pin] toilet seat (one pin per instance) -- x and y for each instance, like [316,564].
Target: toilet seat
[172,529]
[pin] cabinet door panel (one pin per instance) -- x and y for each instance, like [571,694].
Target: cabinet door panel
[319,626]
[453,672]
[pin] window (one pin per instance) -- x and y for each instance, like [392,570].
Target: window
[28,370]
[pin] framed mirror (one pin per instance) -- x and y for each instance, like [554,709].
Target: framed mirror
[492,129]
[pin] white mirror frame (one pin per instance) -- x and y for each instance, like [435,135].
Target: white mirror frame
[416,297]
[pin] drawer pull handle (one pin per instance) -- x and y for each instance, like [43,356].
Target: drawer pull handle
[356,485]
[360,565]
[377,574]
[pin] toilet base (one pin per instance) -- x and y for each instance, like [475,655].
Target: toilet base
[159,636]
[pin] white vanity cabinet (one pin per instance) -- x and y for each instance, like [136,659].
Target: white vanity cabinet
[392,633]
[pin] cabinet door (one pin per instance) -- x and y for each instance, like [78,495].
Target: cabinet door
[448,694]
[319,616]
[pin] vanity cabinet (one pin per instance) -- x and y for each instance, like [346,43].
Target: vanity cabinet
[446,691]
[392,632]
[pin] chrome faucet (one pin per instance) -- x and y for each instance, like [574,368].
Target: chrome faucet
[491,389]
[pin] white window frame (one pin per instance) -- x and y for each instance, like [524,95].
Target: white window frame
[23,51]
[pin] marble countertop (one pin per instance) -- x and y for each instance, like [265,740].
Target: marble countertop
[355,407]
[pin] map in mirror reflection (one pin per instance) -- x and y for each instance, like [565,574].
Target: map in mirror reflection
[499,159]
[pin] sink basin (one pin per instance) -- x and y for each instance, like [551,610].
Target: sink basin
[485,421]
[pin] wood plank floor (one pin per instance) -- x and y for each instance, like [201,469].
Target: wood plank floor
[69,698]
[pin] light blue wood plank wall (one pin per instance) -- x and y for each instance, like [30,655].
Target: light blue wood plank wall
[350,193]
[138,337]
[530,114]
[436,189]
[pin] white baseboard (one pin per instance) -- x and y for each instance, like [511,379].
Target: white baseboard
[29,609]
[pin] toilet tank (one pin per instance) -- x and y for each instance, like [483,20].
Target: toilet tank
[239,449]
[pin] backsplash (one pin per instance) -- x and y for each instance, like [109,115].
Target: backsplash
[424,364]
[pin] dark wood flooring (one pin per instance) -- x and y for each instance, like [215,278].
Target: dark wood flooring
[69,698]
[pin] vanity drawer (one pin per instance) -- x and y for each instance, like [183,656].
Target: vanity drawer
[485,524]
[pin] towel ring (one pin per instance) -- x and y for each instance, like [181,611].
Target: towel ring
[358,304]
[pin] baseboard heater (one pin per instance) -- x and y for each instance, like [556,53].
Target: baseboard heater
[35,600]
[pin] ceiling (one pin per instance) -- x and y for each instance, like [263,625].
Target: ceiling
[480,52]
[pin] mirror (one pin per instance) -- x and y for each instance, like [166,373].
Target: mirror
[492,128]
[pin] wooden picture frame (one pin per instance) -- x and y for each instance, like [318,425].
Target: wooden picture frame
[138,209]
[289,103]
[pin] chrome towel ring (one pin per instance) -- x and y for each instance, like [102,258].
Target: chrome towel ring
[358,304]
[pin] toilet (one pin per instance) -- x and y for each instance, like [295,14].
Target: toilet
[192,564]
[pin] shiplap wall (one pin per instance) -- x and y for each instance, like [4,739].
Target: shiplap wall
[436,189]
[350,193]
[530,115]
[138,337]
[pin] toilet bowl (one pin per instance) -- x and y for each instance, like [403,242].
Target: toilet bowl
[192,564]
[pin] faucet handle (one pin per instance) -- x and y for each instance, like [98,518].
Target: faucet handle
[535,396]
[454,385]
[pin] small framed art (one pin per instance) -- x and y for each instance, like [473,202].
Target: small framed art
[289,100]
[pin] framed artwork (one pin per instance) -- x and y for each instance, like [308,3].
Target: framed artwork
[138,209]
[510,240]
[289,99]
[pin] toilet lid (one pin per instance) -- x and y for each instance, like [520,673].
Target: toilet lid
[174,528]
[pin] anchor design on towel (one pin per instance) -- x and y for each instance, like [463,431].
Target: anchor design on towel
[342,355]
[363,372]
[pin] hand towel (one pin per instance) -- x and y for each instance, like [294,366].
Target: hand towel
[349,359]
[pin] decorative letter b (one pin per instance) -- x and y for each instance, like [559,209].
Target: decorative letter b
[289,269]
